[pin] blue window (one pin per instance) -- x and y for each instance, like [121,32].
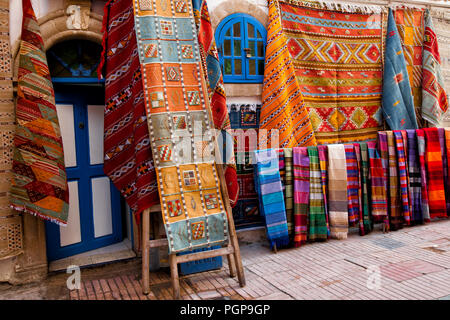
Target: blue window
[241,42]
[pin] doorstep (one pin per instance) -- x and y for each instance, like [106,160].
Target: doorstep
[112,253]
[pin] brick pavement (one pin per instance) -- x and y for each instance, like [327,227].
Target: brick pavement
[412,263]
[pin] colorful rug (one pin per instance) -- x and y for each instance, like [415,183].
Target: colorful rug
[323,163]
[365,223]
[421,149]
[411,28]
[415,181]
[338,62]
[442,142]
[128,160]
[435,174]
[378,196]
[403,176]
[177,106]
[398,103]
[395,209]
[447,145]
[288,189]
[434,98]
[10,220]
[216,91]
[301,195]
[384,154]
[271,197]
[353,184]
[39,184]
[283,114]
[337,192]
[317,220]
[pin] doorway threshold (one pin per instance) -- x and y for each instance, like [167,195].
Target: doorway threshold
[115,252]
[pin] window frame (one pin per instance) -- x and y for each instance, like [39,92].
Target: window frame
[220,35]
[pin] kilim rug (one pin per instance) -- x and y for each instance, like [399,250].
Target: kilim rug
[283,113]
[39,184]
[338,61]
[435,174]
[415,181]
[398,103]
[403,175]
[365,222]
[128,158]
[337,192]
[10,220]
[353,184]
[421,149]
[301,195]
[434,98]
[216,91]
[317,220]
[377,185]
[271,197]
[177,106]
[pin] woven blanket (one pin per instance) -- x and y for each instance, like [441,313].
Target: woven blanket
[442,142]
[177,107]
[353,184]
[435,174]
[434,98]
[216,91]
[317,220]
[410,24]
[271,197]
[301,195]
[323,163]
[384,154]
[338,61]
[39,184]
[447,145]
[365,223]
[398,103]
[421,149]
[128,160]
[288,190]
[377,184]
[395,209]
[283,113]
[337,191]
[10,221]
[403,175]
[415,181]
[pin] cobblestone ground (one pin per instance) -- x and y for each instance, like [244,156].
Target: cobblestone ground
[412,263]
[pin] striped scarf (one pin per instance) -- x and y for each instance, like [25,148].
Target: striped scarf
[415,193]
[433,161]
[317,217]
[403,176]
[421,147]
[377,184]
[271,197]
[384,153]
[323,163]
[365,223]
[395,213]
[337,191]
[441,132]
[447,145]
[353,186]
[289,190]
[301,195]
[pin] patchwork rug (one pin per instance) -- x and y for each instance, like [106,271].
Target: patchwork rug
[128,158]
[177,107]
[338,61]
[39,184]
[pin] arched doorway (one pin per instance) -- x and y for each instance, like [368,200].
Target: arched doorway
[95,211]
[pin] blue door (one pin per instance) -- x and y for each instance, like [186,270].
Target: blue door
[95,205]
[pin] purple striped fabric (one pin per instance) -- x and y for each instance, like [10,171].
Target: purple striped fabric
[415,189]
[323,163]
[403,176]
[352,184]
[377,184]
[395,210]
[421,148]
[441,132]
[301,195]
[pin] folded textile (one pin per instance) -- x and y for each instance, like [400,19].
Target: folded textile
[395,204]
[289,190]
[415,181]
[317,221]
[377,184]
[353,184]
[421,149]
[365,223]
[323,163]
[301,194]
[337,191]
[128,159]
[271,197]
[403,176]
[435,174]
[447,145]
[39,182]
[398,103]
[384,154]
[434,98]
[442,142]
[283,113]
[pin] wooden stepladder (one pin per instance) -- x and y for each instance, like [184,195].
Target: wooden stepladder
[232,251]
